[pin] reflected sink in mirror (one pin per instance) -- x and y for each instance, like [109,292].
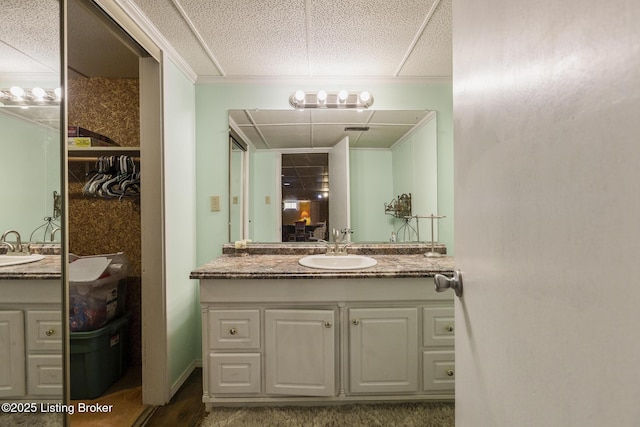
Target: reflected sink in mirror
[19,259]
[337,262]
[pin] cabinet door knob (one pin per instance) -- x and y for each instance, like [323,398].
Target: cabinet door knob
[355,322]
[50,332]
[233,331]
[449,328]
[450,373]
[327,324]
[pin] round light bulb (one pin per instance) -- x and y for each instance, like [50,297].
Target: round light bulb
[342,95]
[322,96]
[325,194]
[38,92]
[365,96]
[299,96]
[17,91]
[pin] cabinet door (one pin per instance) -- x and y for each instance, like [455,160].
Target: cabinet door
[383,350]
[300,352]
[12,369]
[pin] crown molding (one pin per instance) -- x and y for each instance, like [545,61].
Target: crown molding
[346,80]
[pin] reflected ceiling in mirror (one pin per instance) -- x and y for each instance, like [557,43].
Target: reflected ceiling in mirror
[317,129]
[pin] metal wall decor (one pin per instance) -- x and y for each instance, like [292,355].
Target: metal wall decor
[400,207]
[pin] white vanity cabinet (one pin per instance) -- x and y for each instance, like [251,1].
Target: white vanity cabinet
[12,369]
[31,340]
[317,341]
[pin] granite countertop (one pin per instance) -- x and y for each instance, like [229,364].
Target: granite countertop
[287,267]
[47,268]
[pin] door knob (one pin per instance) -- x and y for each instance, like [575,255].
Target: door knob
[443,282]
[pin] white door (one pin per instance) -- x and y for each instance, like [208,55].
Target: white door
[300,352]
[547,212]
[339,195]
[12,353]
[383,350]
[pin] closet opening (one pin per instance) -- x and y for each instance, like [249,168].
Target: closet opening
[113,145]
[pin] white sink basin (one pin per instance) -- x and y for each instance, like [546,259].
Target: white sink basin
[337,262]
[19,259]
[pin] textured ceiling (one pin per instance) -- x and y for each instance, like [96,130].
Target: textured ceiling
[244,38]
[314,129]
[225,39]
[308,38]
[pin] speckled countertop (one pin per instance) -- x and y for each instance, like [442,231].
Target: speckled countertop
[287,267]
[47,268]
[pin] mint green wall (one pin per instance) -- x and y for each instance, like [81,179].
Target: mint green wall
[415,171]
[30,172]
[213,100]
[182,298]
[371,187]
[263,184]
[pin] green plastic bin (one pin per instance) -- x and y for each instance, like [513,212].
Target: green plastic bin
[98,358]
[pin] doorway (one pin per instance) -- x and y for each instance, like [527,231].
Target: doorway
[305,196]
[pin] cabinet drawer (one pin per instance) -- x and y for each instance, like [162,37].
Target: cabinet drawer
[44,374]
[44,330]
[234,329]
[438,369]
[438,327]
[234,373]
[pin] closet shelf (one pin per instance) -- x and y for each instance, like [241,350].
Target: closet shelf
[92,153]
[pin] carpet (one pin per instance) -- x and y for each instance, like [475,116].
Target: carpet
[381,415]
[31,420]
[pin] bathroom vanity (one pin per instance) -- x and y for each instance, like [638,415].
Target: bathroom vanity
[31,331]
[275,332]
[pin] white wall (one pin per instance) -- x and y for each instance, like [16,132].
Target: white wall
[547,102]
[183,309]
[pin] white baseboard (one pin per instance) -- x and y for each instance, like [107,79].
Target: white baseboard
[197,363]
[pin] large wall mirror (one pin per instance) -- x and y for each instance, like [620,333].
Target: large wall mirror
[355,161]
[31,306]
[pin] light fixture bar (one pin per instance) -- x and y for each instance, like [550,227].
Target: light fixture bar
[37,96]
[324,99]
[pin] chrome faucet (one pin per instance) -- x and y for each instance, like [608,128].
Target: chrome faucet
[18,245]
[53,233]
[9,246]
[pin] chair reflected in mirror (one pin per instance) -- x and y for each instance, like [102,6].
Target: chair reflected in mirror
[300,231]
[318,233]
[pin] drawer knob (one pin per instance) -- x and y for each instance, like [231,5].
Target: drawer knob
[450,373]
[233,331]
[50,332]
[449,328]
[327,324]
[355,322]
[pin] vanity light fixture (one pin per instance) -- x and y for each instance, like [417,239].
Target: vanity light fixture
[323,99]
[37,96]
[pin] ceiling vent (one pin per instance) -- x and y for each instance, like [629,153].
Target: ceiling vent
[356,128]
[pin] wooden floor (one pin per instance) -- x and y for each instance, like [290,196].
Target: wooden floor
[185,409]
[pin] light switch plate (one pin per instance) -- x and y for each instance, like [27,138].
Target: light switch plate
[215,203]
[235,200]
[267,200]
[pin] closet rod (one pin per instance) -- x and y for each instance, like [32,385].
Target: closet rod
[95,158]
